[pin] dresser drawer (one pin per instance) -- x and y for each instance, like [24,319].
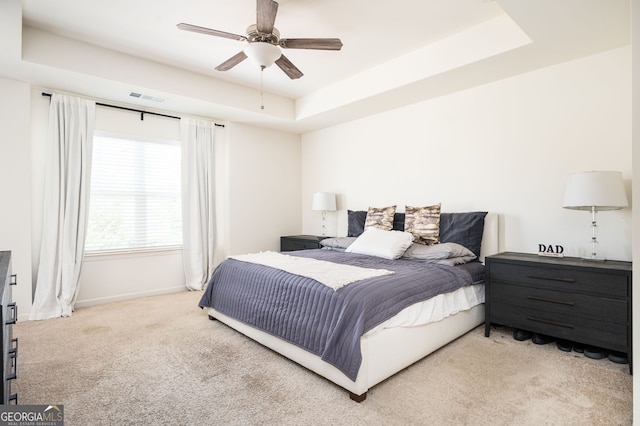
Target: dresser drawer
[577,305]
[562,279]
[291,245]
[562,326]
[8,317]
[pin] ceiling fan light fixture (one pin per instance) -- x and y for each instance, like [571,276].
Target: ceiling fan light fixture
[265,42]
[262,53]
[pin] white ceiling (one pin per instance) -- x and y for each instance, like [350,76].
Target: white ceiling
[373,32]
[394,53]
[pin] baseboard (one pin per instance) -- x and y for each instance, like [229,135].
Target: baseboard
[129,296]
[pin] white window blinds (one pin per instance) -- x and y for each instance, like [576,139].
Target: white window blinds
[135,195]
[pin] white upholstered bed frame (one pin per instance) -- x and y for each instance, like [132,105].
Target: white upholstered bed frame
[381,356]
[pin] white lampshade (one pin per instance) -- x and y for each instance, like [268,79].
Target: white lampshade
[603,190]
[262,53]
[325,201]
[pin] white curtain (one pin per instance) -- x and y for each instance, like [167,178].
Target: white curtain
[198,200]
[66,205]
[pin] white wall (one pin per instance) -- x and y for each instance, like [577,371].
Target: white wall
[506,147]
[15,181]
[111,278]
[264,188]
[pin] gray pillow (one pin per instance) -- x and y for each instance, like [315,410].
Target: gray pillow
[463,228]
[356,221]
[338,243]
[456,260]
[437,252]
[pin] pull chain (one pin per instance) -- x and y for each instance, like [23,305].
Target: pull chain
[261,84]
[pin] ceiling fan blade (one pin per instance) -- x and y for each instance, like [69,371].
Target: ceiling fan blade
[311,43]
[266,15]
[232,61]
[289,69]
[209,31]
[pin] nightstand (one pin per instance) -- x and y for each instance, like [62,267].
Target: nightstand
[301,242]
[567,298]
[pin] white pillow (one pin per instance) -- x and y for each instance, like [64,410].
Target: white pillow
[380,243]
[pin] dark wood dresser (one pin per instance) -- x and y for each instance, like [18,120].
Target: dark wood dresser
[8,317]
[567,298]
[301,242]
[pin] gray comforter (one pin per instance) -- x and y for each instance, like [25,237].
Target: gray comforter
[325,322]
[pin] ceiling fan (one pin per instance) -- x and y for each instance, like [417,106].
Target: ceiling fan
[265,42]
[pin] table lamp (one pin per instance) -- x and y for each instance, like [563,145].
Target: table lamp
[595,191]
[324,201]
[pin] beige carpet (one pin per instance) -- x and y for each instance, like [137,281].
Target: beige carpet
[160,361]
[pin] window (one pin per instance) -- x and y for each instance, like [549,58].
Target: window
[135,195]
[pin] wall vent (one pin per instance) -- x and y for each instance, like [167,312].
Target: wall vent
[146,97]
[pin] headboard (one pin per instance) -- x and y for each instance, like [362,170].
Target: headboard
[490,240]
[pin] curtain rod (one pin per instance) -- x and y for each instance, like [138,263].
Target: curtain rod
[142,113]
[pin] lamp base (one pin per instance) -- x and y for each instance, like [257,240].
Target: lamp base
[595,259]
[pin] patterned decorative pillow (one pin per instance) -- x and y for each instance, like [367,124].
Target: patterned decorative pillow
[423,223]
[381,218]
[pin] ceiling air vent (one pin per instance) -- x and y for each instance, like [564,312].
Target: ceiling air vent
[146,97]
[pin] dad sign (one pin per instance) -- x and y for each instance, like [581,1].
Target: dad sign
[550,249]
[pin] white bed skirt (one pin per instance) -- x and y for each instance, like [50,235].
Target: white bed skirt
[380,357]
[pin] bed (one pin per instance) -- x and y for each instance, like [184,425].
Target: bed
[371,347]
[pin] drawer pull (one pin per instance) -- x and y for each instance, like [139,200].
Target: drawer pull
[544,299]
[560,324]
[542,277]
[12,316]
[13,371]
[14,280]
